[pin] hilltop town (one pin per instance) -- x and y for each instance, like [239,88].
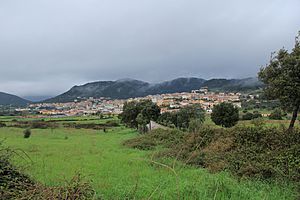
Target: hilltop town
[167,102]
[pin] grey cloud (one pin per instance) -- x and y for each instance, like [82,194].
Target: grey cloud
[48,46]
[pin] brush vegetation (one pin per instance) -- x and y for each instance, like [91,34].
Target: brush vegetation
[87,163]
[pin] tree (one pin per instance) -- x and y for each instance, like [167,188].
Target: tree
[27,133]
[168,119]
[131,110]
[142,123]
[282,79]
[186,114]
[225,114]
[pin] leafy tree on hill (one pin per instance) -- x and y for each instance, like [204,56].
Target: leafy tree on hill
[282,79]
[225,114]
[186,114]
[146,108]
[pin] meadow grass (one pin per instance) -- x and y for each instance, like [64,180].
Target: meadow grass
[118,172]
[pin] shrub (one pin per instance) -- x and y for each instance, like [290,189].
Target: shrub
[166,138]
[2,124]
[42,125]
[77,188]
[276,114]
[247,116]
[250,116]
[16,185]
[225,114]
[12,181]
[247,151]
[27,133]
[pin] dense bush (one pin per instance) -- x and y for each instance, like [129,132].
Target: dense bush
[146,108]
[276,114]
[250,116]
[27,133]
[251,151]
[12,181]
[2,124]
[183,118]
[166,138]
[225,114]
[247,116]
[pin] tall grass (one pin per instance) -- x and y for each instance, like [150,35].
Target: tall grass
[118,172]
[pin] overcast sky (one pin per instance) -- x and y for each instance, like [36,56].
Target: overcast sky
[47,46]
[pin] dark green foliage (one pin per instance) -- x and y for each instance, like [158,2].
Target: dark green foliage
[131,110]
[247,116]
[260,104]
[167,119]
[225,114]
[265,153]
[183,117]
[27,133]
[12,181]
[42,125]
[186,114]
[250,116]
[76,189]
[282,79]
[253,151]
[2,124]
[276,114]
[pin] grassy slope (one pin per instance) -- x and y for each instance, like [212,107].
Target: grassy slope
[120,172]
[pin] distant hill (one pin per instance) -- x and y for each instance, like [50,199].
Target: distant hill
[9,99]
[36,98]
[129,88]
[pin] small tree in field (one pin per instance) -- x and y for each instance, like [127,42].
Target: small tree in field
[225,114]
[282,79]
[27,133]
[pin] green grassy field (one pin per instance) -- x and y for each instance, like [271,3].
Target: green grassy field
[118,172]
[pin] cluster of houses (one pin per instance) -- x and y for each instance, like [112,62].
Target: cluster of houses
[167,103]
[173,102]
[88,106]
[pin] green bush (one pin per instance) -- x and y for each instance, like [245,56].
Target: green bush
[2,124]
[12,181]
[166,138]
[27,133]
[276,114]
[225,114]
[16,185]
[247,151]
[247,116]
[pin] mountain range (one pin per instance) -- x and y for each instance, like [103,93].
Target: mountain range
[9,99]
[130,88]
